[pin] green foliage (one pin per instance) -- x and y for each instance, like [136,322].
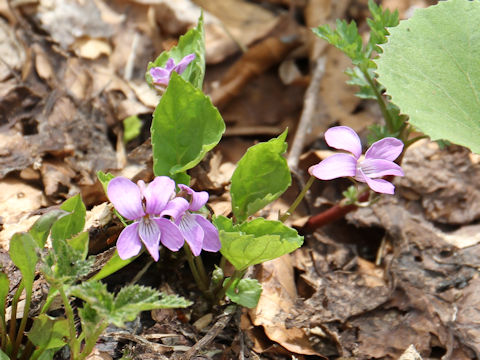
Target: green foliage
[244,292]
[130,301]
[193,42]
[132,127]
[48,332]
[430,69]
[347,38]
[185,127]
[113,265]
[4,288]
[261,176]
[41,228]
[71,224]
[256,241]
[23,252]
[104,179]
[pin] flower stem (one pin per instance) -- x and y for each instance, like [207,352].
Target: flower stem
[297,201]
[193,268]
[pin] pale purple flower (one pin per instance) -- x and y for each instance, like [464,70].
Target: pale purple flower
[199,233]
[378,160]
[161,76]
[144,205]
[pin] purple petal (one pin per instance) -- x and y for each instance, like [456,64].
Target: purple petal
[171,236]
[128,243]
[160,75]
[175,208]
[344,138]
[170,65]
[211,240]
[158,193]
[388,149]
[126,198]
[376,168]
[192,232]
[380,186]
[182,65]
[198,198]
[149,233]
[335,166]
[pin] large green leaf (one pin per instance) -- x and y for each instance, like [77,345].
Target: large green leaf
[256,241]
[185,127]
[193,42]
[430,67]
[261,176]
[71,224]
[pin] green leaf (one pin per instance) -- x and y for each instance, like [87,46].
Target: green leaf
[378,23]
[185,127]
[24,256]
[80,243]
[430,69]
[256,241]
[128,303]
[193,42]
[4,289]
[261,176]
[104,179]
[113,265]
[41,228]
[132,127]
[48,332]
[245,292]
[345,38]
[71,224]
[3,356]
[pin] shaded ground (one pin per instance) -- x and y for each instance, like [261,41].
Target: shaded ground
[403,272]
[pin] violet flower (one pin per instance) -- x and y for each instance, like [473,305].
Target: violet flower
[161,76]
[378,160]
[198,232]
[144,205]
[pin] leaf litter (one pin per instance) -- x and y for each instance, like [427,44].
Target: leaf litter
[398,280]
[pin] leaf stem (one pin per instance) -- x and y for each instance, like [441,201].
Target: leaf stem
[73,343]
[297,201]
[380,100]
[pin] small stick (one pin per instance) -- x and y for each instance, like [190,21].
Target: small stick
[222,321]
[304,126]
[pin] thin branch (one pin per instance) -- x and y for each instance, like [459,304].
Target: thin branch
[305,124]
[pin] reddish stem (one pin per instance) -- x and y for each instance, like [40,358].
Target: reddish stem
[335,212]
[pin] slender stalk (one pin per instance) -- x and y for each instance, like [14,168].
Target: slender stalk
[51,296]
[91,341]
[201,269]
[297,201]
[72,342]
[13,319]
[193,268]
[23,322]
[381,102]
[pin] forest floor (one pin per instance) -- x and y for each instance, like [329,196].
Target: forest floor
[400,273]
